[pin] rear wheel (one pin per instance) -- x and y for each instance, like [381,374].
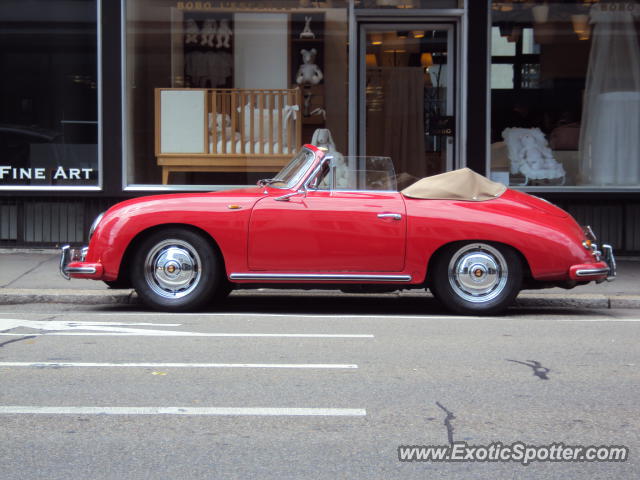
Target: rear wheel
[176,270]
[476,278]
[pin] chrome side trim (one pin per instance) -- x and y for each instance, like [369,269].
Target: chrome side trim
[591,271]
[320,276]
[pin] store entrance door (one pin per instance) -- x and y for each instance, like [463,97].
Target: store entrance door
[407,96]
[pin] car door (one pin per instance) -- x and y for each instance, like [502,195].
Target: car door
[329,231]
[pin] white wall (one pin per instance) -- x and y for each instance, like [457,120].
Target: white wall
[261,50]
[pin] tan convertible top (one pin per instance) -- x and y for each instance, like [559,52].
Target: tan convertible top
[463,184]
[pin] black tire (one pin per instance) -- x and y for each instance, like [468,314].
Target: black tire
[223,290]
[476,278]
[176,270]
[118,284]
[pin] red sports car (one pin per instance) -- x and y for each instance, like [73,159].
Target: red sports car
[340,223]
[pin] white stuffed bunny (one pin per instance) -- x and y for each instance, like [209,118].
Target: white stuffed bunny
[309,73]
[223,35]
[306,32]
[192,31]
[322,138]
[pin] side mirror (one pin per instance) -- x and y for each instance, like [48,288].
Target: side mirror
[285,198]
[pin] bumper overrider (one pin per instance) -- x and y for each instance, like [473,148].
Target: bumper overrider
[72,264]
[603,269]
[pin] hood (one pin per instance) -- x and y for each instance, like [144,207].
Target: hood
[244,197]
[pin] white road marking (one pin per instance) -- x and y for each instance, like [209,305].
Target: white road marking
[302,315]
[254,411]
[272,315]
[70,325]
[187,334]
[180,365]
[297,316]
[336,316]
[77,328]
[600,320]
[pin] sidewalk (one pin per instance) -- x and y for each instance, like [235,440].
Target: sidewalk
[31,276]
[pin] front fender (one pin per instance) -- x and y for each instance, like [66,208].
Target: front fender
[210,213]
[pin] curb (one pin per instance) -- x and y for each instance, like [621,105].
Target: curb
[624,301]
[129,297]
[578,300]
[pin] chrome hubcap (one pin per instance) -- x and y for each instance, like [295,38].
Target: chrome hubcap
[172,268]
[478,273]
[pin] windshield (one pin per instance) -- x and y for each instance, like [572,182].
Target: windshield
[351,173]
[294,170]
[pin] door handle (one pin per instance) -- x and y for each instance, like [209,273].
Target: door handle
[395,216]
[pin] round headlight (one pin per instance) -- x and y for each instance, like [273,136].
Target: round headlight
[94,225]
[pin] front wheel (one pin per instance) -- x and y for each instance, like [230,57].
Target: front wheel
[176,270]
[476,278]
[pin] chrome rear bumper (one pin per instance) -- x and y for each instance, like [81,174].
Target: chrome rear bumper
[588,272]
[604,268]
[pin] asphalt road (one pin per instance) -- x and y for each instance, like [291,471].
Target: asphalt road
[328,387]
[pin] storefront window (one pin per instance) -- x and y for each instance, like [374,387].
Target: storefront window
[49,94]
[410,97]
[226,93]
[565,93]
[420,4]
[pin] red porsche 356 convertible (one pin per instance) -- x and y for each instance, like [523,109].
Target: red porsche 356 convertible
[324,223]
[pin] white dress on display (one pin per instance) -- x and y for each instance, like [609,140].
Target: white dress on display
[610,131]
[529,155]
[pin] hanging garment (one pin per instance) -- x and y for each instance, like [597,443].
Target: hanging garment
[403,90]
[610,132]
[208,69]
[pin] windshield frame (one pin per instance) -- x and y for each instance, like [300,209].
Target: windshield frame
[305,158]
[329,160]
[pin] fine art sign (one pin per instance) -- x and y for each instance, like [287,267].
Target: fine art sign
[8,172]
[31,164]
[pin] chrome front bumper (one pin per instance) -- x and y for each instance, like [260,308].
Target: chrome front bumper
[610,260]
[72,255]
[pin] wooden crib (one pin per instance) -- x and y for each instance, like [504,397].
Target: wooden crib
[226,130]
